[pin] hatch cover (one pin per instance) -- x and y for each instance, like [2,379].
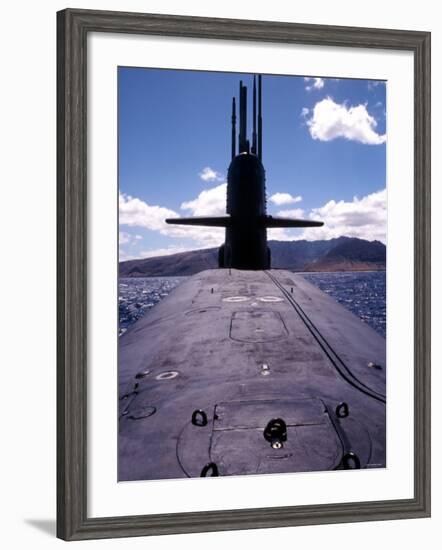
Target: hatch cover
[238,445]
[257,326]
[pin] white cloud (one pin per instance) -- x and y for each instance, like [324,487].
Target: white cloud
[331,120]
[305,111]
[295,213]
[208,174]
[317,84]
[137,213]
[284,198]
[365,218]
[210,202]
[134,212]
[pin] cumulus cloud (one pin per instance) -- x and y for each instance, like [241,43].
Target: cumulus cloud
[210,202]
[365,218]
[316,83]
[134,212]
[208,174]
[137,213]
[330,120]
[284,198]
[295,213]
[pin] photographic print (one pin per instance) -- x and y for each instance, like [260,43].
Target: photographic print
[252,274]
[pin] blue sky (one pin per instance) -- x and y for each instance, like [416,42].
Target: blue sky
[324,152]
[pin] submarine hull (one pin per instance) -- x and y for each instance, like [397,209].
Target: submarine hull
[205,373]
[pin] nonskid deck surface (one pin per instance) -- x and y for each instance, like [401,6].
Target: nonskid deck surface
[245,348]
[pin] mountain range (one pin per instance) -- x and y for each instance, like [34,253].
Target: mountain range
[340,254]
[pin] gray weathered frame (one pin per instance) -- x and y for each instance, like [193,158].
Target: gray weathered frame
[73,27]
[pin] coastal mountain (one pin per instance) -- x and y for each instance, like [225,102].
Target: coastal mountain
[351,255]
[340,254]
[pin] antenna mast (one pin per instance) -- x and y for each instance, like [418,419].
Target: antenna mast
[233,128]
[243,147]
[260,117]
[254,117]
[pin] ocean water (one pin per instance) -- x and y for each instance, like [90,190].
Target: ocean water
[362,293]
[136,296]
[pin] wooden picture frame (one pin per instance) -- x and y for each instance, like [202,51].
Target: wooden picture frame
[73,27]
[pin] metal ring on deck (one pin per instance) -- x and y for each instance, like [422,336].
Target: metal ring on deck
[167,375]
[198,413]
[270,299]
[276,433]
[342,410]
[349,457]
[210,467]
[235,299]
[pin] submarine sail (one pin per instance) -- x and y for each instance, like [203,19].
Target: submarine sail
[246,224]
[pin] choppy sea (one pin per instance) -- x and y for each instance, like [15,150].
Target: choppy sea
[136,296]
[362,293]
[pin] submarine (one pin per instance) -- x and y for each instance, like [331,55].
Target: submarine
[246,222]
[245,369]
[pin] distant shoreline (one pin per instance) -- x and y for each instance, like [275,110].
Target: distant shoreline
[343,254]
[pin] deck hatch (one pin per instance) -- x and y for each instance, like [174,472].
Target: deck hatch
[238,444]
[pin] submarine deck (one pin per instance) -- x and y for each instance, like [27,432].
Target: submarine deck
[243,348]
